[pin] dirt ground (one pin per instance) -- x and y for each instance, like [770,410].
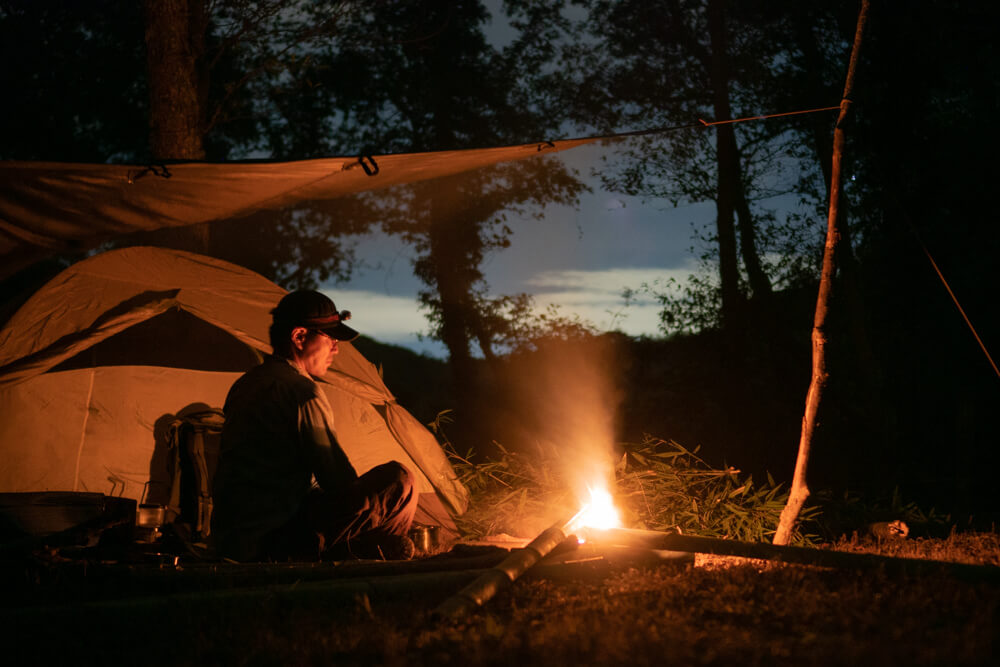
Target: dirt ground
[717,611]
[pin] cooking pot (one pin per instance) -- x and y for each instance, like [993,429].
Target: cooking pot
[148,520]
[427,539]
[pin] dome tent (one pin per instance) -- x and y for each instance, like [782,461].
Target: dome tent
[95,362]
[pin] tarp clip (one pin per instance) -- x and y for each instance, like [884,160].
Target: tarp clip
[369,164]
[155,169]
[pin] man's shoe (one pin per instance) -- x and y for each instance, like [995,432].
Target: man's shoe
[373,547]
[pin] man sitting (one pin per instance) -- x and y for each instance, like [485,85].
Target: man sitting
[279,442]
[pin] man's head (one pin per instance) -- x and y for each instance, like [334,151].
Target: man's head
[305,329]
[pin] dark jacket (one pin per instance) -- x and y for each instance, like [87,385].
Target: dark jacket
[278,437]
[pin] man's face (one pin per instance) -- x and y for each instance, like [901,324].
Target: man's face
[314,350]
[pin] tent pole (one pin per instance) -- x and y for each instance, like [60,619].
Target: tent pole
[83,430]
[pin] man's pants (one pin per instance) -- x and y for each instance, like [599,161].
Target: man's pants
[380,502]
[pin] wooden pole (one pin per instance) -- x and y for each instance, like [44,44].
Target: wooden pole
[800,490]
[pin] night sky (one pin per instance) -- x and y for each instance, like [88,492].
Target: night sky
[579,259]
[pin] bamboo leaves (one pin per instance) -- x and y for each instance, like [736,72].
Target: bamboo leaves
[660,485]
[682,492]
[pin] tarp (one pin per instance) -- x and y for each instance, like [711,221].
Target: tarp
[48,208]
[116,346]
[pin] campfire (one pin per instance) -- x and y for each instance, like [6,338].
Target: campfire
[599,513]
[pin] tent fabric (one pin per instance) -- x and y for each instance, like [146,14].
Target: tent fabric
[48,207]
[75,417]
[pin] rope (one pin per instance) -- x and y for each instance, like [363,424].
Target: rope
[766,116]
[958,305]
[913,229]
[702,123]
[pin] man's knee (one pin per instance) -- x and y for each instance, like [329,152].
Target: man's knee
[393,472]
[393,496]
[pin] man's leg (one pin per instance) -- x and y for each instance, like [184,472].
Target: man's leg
[379,503]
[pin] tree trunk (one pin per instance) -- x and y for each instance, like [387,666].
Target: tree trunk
[728,159]
[485,342]
[760,284]
[175,39]
[453,299]
[800,490]
[175,42]
[450,268]
[726,156]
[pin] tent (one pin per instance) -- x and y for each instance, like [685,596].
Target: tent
[116,346]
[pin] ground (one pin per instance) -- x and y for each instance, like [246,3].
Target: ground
[718,611]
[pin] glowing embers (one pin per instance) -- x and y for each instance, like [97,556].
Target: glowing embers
[599,514]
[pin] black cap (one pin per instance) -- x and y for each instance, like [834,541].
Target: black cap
[313,310]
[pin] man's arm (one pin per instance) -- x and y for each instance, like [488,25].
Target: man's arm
[330,465]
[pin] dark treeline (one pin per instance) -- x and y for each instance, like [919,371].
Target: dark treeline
[912,395]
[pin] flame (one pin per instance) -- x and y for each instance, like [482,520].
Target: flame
[600,513]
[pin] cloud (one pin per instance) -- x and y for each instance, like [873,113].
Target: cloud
[597,296]
[386,318]
[604,281]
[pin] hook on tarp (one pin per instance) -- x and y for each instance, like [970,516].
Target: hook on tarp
[155,169]
[369,164]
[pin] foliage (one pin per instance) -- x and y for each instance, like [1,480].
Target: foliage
[512,493]
[84,95]
[668,64]
[507,490]
[75,80]
[688,308]
[668,487]
[517,326]
[660,485]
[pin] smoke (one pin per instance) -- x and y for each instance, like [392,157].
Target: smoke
[571,391]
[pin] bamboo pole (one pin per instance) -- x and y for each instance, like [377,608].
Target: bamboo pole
[800,490]
[99,580]
[327,593]
[492,580]
[650,539]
